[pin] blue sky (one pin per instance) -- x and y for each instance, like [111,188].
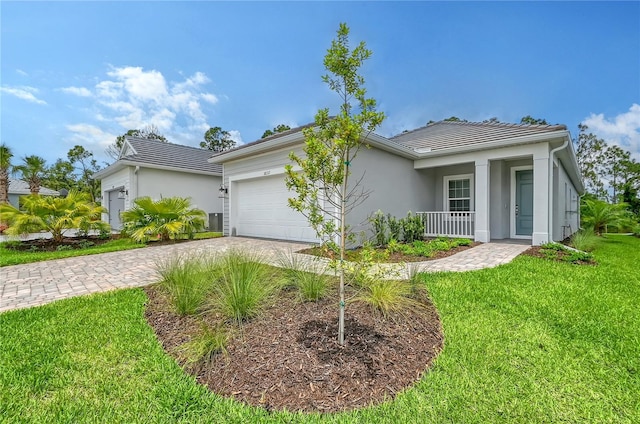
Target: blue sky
[85,72]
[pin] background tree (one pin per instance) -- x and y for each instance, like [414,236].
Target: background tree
[150,132]
[5,168]
[324,193]
[529,120]
[32,170]
[278,129]
[60,175]
[87,166]
[218,140]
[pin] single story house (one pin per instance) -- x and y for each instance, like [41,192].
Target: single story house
[486,181]
[158,169]
[19,188]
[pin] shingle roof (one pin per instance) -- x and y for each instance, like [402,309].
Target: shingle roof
[153,152]
[444,134]
[22,187]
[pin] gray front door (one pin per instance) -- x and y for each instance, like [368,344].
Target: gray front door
[524,203]
[116,205]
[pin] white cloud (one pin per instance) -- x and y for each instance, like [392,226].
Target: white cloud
[24,93]
[21,72]
[89,135]
[77,91]
[622,130]
[235,136]
[135,97]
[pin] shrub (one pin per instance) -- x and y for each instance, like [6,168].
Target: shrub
[310,281]
[380,229]
[412,227]
[598,215]
[187,281]
[395,228]
[64,247]
[207,343]
[86,244]
[242,287]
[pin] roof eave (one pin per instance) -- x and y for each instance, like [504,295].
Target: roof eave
[115,167]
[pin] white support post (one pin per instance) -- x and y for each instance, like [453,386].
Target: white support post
[541,197]
[482,201]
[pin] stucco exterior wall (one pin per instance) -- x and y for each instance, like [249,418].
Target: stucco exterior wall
[202,189]
[394,187]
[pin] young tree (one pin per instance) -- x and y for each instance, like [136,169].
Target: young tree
[5,168]
[278,129]
[324,193]
[32,170]
[150,132]
[218,140]
[60,175]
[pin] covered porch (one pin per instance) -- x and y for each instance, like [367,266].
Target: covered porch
[500,194]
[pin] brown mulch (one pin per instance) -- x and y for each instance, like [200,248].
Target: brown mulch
[49,245]
[398,257]
[536,252]
[289,358]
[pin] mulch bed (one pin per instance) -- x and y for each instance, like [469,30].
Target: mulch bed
[49,245]
[398,257]
[289,358]
[536,252]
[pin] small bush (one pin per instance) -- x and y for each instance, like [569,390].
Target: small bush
[380,229]
[86,244]
[205,345]
[12,244]
[63,247]
[463,242]
[395,227]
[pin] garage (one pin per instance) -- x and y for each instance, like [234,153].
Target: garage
[262,211]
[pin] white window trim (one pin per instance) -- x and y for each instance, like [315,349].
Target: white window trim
[445,190]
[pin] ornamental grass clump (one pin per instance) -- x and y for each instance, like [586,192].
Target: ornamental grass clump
[388,297]
[207,343]
[584,240]
[187,281]
[242,286]
[308,279]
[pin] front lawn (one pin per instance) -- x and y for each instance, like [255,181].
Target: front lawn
[530,341]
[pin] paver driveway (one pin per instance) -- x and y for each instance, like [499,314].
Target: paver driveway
[27,285]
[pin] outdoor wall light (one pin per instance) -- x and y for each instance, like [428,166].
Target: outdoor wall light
[122,193]
[223,190]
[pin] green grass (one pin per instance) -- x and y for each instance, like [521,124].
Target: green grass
[531,341]
[16,257]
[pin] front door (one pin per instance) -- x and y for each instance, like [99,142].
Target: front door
[116,205]
[524,203]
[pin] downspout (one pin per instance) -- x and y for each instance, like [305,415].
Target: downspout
[550,217]
[136,175]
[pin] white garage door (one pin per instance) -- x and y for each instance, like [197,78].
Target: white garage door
[263,211]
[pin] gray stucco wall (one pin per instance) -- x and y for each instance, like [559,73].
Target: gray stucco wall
[202,189]
[394,186]
[565,213]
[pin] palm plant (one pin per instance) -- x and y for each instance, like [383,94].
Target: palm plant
[32,171]
[167,217]
[598,215]
[53,214]
[5,166]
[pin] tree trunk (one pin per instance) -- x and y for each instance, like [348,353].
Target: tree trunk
[4,186]
[342,249]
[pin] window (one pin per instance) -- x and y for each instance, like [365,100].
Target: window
[458,193]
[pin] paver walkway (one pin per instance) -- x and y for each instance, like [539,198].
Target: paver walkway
[23,286]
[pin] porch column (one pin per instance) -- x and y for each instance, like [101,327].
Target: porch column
[541,198]
[482,201]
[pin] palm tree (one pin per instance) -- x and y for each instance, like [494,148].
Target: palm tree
[32,171]
[54,214]
[168,217]
[598,215]
[5,166]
